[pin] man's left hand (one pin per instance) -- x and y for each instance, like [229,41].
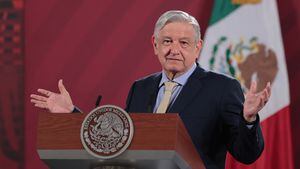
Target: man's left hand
[255,101]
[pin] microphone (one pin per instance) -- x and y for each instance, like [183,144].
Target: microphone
[98,101]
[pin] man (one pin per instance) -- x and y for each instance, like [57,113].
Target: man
[211,105]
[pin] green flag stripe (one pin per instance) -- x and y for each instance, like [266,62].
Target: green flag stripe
[221,9]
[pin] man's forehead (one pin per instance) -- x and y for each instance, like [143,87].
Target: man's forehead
[177,27]
[172,37]
[176,33]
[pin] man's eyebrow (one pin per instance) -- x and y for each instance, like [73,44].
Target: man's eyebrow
[166,37]
[185,38]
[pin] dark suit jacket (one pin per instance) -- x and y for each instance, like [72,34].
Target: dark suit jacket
[211,107]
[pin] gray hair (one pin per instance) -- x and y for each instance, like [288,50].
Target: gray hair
[176,16]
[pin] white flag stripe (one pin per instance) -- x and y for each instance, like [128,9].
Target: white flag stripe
[259,20]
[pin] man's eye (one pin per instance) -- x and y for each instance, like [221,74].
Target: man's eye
[167,42]
[184,43]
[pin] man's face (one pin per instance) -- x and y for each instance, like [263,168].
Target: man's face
[176,47]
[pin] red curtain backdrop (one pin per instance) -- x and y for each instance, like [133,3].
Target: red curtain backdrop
[101,47]
[289,13]
[11,85]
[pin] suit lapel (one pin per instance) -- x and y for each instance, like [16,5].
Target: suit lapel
[189,91]
[152,91]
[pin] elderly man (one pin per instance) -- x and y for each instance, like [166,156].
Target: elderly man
[211,105]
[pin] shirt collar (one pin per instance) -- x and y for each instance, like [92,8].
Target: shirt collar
[181,80]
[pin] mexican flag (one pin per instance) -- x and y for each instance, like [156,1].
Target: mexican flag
[244,40]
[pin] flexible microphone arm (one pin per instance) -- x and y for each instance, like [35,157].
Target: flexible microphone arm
[98,101]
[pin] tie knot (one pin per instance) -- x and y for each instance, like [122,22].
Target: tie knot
[169,85]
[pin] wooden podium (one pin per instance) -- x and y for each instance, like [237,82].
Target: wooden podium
[160,141]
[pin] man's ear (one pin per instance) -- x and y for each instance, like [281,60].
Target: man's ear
[154,44]
[199,47]
[199,44]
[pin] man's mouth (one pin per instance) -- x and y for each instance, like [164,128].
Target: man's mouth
[173,59]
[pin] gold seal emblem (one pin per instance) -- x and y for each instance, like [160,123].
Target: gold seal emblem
[106,131]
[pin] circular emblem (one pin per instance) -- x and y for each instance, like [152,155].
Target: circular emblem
[106,131]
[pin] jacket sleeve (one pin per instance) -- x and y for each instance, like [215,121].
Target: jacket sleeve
[129,98]
[244,143]
[76,110]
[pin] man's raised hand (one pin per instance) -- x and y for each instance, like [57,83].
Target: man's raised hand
[54,102]
[255,101]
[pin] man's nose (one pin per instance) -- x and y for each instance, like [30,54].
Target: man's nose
[175,48]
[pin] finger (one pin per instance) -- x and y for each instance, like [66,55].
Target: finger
[38,97]
[265,96]
[61,87]
[261,102]
[269,89]
[266,93]
[41,105]
[253,87]
[45,92]
[37,101]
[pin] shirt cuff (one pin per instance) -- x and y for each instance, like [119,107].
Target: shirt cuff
[253,123]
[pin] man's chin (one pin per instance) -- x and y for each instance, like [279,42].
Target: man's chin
[173,70]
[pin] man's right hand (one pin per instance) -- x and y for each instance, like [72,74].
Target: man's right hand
[54,102]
